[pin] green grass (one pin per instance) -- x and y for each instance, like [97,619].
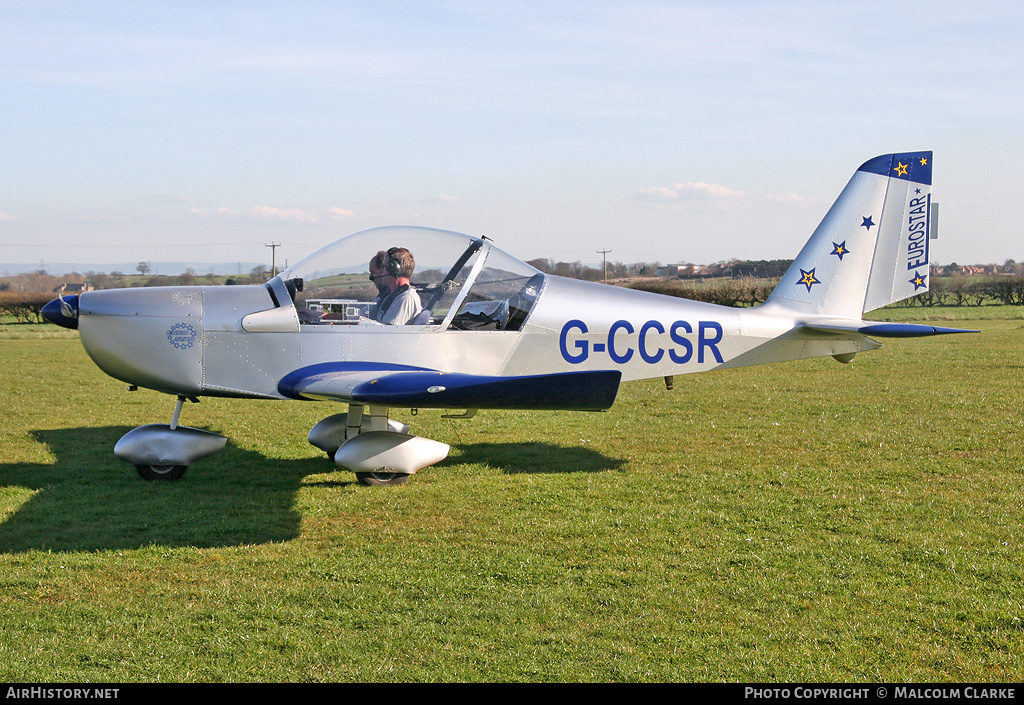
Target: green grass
[13,330]
[807,521]
[946,313]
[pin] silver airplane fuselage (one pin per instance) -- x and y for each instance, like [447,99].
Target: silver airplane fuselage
[193,341]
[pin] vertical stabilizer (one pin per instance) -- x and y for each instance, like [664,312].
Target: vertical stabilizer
[871,249]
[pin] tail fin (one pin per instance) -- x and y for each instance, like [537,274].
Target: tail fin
[871,249]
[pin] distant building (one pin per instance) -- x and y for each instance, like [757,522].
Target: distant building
[684,271]
[66,288]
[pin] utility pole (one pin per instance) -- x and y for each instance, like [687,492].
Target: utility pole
[604,253]
[273,257]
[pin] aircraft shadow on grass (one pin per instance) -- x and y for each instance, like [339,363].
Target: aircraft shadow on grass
[533,458]
[90,501]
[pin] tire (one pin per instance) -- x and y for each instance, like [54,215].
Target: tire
[168,473]
[381,478]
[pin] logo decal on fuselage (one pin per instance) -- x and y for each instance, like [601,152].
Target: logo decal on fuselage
[182,336]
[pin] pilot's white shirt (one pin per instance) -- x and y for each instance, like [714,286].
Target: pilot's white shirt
[400,307]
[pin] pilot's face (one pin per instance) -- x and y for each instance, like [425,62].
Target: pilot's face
[389,281]
[379,276]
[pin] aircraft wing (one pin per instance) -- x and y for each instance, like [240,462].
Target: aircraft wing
[882,330]
[415,387]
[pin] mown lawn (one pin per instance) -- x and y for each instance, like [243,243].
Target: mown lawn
[807,521]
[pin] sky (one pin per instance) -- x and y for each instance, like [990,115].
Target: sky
[660,131]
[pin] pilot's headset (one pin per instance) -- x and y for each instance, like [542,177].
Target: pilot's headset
[393,266]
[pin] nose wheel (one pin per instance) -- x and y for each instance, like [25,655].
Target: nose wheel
[389,479]
[164,452]
[161,472]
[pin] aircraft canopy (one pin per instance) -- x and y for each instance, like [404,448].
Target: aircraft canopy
[464,282]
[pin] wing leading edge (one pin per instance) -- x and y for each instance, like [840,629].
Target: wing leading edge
[414,387]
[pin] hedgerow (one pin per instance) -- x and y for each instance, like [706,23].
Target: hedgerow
[23,307]
[944,291]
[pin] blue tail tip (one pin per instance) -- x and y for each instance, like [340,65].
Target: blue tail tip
[906,166]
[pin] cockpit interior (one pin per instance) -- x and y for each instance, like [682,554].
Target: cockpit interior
[463,283]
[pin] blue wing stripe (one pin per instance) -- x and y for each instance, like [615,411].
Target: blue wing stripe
[405,386]
[570,390]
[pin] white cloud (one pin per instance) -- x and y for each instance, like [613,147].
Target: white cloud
[689,191]
[273,213]
[102,219]
[787,199]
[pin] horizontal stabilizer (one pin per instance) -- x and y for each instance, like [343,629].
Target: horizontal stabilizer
[884,330]
[396,385]
[909,330]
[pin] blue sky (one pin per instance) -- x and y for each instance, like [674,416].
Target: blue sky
[669,131]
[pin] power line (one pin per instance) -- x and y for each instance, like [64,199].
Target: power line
[604,255]
[273,257]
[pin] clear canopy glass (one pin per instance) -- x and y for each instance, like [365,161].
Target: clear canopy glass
[464,282]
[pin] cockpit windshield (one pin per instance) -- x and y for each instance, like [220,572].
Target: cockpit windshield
[462,282]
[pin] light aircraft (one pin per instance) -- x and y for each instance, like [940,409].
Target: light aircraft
[494,333]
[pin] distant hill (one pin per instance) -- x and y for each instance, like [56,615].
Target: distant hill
[165,268]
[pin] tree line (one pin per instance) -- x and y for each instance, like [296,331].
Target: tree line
[990,290]
[578,270]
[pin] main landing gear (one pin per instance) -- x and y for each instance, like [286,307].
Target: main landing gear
[379,450]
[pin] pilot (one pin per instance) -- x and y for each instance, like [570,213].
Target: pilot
[402,302]
[377,274]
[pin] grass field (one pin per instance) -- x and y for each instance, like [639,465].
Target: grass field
[807,521]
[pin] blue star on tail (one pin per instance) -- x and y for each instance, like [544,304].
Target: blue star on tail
[808,279]
[839,249]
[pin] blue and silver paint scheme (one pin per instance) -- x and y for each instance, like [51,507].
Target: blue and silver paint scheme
[497,333]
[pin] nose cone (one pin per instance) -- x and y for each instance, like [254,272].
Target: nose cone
[63,311]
